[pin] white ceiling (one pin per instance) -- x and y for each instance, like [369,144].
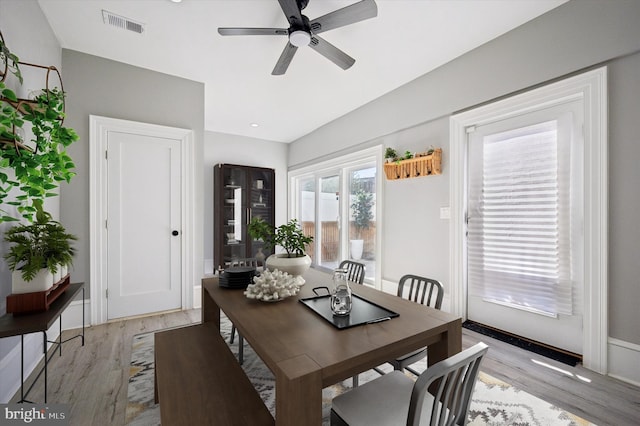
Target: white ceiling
[407,39]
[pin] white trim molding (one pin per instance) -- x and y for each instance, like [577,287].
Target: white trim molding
[98,131]
[591,88]
[624,359]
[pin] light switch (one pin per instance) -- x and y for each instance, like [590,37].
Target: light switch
[445,213]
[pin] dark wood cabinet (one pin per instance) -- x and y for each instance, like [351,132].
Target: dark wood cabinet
[240,194]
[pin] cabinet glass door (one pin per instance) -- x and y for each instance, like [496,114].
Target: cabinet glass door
[260,204]
[234,214]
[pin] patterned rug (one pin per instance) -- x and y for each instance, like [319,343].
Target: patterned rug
[494,402]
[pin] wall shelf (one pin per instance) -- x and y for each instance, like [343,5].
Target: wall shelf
[415,167]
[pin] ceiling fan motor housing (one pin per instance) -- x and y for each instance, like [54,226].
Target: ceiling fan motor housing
[300,35]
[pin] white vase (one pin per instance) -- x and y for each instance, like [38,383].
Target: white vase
[41,282]
[292,265]
[57,276]
[356,248]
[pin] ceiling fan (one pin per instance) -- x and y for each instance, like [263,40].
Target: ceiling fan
[304,32]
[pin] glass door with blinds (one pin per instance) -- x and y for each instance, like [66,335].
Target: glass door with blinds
[524,226]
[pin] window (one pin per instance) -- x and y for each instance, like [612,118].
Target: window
[337,202]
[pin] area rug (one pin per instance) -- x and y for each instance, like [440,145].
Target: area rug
[494,402]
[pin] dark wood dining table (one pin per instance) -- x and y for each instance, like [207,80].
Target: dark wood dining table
[306,353]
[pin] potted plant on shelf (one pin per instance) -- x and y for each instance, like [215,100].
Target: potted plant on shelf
[362,212]
[39,251]
[390,155]
[288,236]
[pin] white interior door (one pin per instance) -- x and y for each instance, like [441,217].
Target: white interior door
[143,224]
[525,226]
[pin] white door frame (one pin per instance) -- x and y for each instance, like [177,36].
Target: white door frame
[99,127]
[591,88]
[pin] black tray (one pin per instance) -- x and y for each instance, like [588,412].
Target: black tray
[362,311]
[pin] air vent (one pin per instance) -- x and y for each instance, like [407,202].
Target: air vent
[122,22]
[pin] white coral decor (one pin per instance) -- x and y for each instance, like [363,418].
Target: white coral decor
[272,286]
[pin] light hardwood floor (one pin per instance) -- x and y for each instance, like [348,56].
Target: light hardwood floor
[93,379]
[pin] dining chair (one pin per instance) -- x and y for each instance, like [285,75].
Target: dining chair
[440,396]
[355,273]
[355,270]
[249,261]
[426,291]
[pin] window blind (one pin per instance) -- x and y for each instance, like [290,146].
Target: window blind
[519,228]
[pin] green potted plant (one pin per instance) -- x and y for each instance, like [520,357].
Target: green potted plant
[362,214]
[390,154]
[37,165]
[290,237]
[40,168]
[39,251]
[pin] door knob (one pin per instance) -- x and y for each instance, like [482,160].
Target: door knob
[174,233]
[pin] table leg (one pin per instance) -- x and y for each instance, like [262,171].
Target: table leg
[450,344]
[298,392]
[210,310]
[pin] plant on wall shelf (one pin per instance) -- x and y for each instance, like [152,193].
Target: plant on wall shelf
[390,154]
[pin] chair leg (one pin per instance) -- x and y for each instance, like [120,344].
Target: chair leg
[355,381]
[233,333]
[412,371]
[240,343]
[377,370]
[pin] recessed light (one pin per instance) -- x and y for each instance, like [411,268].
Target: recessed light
[254,125]
[176,1]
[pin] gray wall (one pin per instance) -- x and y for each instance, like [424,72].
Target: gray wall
[577,35]
[98,86]
[28,34]
[233,149]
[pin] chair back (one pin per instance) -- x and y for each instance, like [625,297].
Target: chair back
[425,291]
[451,383]
[355,270]
[250,261]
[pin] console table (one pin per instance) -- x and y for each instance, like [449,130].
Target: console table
[19,325]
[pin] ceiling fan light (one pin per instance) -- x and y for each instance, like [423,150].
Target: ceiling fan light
[299,38]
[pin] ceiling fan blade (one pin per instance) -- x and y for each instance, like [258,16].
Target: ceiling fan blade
[356,12]
[291,11]
[252,31]
[331,52]
[285,59]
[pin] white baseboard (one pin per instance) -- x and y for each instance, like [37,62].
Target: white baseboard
[72,316]
[33,353]
[197,296]
[208,266]
[390,287]
[623,360]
